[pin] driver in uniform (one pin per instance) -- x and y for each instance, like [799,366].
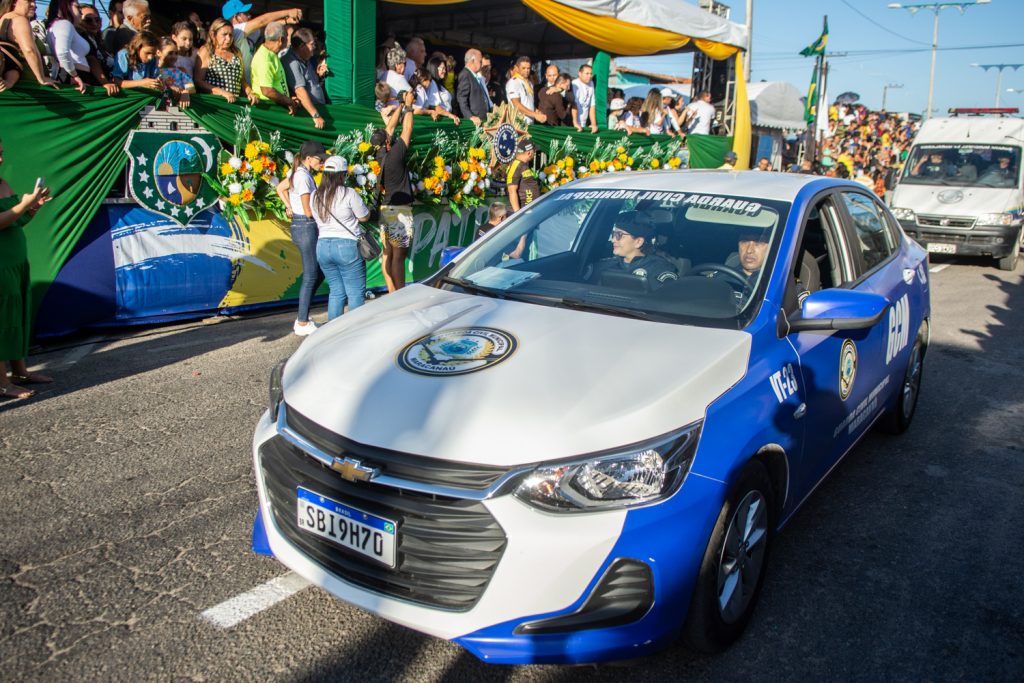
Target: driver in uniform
[1000,173]
[631,239]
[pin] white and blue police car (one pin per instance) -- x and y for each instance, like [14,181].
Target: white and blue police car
[577,441]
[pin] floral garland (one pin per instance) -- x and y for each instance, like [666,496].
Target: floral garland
[451,172]
[246,181]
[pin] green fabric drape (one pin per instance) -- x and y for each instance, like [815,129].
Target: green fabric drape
[76,142]
[708,151]
[216,115]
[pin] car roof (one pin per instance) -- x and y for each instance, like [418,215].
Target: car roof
[759,184]
[971,129]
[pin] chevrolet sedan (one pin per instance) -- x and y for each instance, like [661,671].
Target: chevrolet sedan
[578,440]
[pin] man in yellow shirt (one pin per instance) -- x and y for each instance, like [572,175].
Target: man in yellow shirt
[268,79]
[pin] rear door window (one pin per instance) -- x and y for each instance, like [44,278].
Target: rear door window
[874,238]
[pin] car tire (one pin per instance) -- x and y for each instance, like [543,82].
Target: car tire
[733,568]
[1009,262]
[897,418]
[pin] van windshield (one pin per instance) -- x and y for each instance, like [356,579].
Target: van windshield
[963,165]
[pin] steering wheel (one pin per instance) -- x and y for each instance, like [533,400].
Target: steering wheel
[736,276]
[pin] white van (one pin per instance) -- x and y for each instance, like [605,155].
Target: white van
[960,191]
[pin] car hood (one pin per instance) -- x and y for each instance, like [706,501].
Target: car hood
[574,382]
[953,200]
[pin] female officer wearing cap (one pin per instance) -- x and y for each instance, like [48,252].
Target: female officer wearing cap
[339,211]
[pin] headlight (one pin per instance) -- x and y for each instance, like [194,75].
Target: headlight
[276,390]
[636,475]
[995,219]
[903,214]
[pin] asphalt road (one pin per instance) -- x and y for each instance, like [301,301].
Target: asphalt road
[128,497]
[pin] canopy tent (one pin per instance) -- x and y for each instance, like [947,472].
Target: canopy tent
[776,104]
[545,29]
[621,27]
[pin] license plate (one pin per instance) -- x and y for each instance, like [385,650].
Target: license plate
[940,248]
[347,526]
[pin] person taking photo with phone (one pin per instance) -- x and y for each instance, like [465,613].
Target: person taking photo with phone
[15,305]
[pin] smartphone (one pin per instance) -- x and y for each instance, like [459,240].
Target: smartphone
[40,181]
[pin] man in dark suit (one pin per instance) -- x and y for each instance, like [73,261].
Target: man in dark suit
[469,92]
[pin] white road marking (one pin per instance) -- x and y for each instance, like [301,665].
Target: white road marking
[248,604]
[70,358]
[939,268]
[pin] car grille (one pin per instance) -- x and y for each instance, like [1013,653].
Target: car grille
[448,548]
[393,463]
[945,221]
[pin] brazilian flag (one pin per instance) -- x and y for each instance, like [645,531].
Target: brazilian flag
[811,107]
[818,46]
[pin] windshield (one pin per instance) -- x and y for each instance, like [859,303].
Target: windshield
[669,256]
[963,165]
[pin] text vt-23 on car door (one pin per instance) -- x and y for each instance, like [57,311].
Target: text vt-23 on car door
[578,440]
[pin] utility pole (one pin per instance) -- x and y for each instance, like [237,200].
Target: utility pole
[750,38]
[887,87]
[935,7]
[999,77]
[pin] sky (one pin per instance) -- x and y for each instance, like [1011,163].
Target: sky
[896,49]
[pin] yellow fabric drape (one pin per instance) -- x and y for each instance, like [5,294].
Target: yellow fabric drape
[608,33]
[741,131]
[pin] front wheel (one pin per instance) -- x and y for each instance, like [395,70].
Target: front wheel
[1009,262]
[733,568]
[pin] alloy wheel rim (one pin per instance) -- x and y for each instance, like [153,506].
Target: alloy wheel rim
[742,557]
[912,383]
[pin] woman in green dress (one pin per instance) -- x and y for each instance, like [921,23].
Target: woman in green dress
[15,308]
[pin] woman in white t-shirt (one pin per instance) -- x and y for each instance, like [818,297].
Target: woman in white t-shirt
[296,191]
[339,211]
[429,100]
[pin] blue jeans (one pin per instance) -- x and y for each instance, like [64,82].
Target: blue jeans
[304,236]
[345,271]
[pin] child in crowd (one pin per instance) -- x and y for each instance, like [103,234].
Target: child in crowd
[386,102]
[175,81]
[136,64]
[183,34]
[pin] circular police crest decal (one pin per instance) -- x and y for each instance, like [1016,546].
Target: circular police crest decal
[847,368]
[505,139]
[457,351]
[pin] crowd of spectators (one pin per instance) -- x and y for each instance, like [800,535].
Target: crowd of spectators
[265,58]
[556,98]
[868,147]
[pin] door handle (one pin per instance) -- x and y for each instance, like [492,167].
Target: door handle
[800,411]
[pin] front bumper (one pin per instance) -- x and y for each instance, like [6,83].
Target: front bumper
[551,564]
[988,240]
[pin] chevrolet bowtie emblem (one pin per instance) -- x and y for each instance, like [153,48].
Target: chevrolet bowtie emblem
[353,470]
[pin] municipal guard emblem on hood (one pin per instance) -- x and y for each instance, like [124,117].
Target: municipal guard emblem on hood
[457,351]
[950,196]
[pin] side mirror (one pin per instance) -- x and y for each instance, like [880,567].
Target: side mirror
[839,309]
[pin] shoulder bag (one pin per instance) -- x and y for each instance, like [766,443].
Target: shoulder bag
[366,243]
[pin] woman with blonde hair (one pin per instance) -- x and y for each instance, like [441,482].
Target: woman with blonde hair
[220,69]
[652,114]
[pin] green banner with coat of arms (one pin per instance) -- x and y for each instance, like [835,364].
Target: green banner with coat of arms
[167,170]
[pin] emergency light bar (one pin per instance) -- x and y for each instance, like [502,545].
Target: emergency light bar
[1002,111]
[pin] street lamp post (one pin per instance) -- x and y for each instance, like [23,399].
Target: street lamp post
[935,7]
[999,78]
[885,89]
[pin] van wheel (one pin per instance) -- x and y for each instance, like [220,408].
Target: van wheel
[1009,262]
[733,568]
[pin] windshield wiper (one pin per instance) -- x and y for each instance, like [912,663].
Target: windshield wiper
[582,305]
[471,286]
